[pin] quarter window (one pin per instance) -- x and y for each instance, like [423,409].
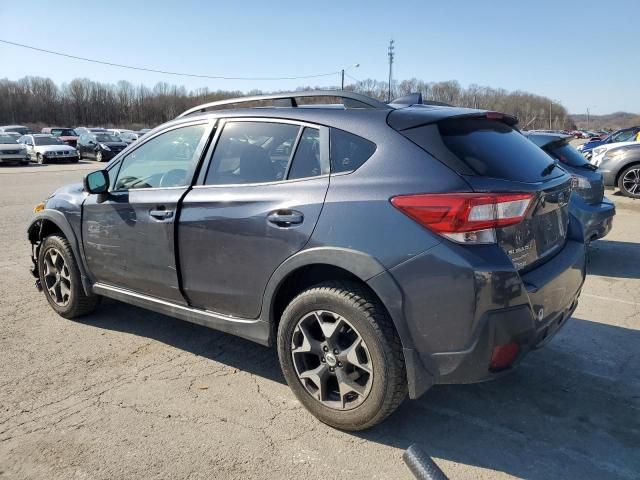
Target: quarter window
[252,152]
[164,161]
[348,151]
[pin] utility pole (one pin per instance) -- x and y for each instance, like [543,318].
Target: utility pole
[391,55]
[587,118]
[550,104]
[342,87]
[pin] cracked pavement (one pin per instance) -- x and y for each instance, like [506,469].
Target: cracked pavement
[126,393]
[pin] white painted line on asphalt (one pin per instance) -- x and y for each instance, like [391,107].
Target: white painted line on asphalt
[627,302]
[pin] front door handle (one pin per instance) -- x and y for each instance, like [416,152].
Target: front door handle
[285,218]
[161,214]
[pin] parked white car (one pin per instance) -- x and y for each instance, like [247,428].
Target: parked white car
[599,152]
[11,151]
[44,148]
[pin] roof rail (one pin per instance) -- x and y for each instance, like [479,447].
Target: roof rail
[349,100]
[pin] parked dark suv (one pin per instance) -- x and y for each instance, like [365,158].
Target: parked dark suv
[594,211]
[382,248]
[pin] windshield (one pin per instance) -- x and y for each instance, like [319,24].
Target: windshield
[566,154]
[63,132]
[8,139]
[623,136]
[47,141]
[106,137]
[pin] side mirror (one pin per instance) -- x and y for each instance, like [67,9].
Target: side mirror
[96,182]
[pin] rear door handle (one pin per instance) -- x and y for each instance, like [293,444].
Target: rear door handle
[161,214]
[285,218]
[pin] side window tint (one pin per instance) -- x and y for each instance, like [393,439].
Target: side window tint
[348,151]
[165,161]
[306,161]
[252,152]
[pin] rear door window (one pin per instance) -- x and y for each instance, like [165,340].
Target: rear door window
[491,148]
[252,152]
[306,160]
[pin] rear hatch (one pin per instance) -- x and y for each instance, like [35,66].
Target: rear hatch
[493,157]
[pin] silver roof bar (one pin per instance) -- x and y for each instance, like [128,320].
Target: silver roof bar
[349,99]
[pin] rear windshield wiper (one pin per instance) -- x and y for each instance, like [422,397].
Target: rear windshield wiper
[549,168]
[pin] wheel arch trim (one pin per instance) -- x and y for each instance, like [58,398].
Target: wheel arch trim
[35,230]
[376,277]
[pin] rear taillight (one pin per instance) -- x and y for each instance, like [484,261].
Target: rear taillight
[465,217]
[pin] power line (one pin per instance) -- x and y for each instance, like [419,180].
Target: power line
[165,72]
[352,77]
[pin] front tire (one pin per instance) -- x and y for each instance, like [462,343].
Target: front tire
[40,159]
[629,181]
[60,279]
[341,355]
[99,157]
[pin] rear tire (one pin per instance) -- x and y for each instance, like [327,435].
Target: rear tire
[629,181]
[99,157]
[60,279]
[360,382]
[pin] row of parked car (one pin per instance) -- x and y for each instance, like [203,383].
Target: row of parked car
[18,144]
[383,248]
[616,154]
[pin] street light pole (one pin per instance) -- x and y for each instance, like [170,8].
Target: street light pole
[550,105]
[355,65]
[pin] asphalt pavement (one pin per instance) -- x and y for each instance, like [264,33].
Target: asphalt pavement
[129,394]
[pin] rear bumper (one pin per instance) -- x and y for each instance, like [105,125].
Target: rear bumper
[459,303]
[596,220]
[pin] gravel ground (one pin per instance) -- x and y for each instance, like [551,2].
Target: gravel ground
[130,394]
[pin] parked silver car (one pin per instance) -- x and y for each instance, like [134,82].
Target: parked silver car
[11,151]
[44,148]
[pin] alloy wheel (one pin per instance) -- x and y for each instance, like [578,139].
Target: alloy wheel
[332,360]
[631,181]
[57,277]
[99,156]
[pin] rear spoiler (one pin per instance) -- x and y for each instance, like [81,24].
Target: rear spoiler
[419,115]
[415,99]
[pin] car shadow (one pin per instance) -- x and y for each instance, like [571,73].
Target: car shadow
[609,258]
[202,341]
[565,413]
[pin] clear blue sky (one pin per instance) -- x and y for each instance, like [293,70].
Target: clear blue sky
[543,46]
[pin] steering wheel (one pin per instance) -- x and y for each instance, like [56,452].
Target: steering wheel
[174,178]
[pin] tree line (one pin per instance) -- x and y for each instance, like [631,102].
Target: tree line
[38,102]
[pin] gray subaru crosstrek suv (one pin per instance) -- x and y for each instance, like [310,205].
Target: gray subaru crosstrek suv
[383,248]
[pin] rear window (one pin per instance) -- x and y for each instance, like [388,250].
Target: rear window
[348,151]
[567,154]
[493,149]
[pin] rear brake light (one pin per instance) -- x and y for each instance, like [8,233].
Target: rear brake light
[465,217]
[494,116]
